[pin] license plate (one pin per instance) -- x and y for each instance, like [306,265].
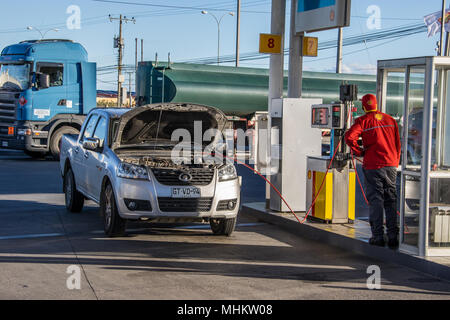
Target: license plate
[186,192]
[4,143]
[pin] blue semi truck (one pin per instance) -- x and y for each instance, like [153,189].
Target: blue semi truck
[46,89]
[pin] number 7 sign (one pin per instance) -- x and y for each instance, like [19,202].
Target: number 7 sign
[310,46]
[269,43]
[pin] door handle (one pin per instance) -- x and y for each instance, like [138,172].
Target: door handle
[86,154]
[77,149]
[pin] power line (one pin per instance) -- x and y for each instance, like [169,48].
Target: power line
[392,33]
[171,6]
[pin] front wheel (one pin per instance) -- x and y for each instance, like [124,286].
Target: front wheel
[114,224]
[224,227]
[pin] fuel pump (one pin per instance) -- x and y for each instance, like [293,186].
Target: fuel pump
[331,180]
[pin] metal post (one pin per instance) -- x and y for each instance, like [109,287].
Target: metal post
[446,52]
[238,30]
[129,88]
[142,50]
[276,73]
[218,43]
[441,44]
[119,66]
[136,56]
[339,52]
[295,57]
[426,157]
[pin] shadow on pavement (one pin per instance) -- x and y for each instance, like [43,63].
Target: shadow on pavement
[260,252]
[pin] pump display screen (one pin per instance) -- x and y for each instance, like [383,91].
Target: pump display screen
[320,116]
[327,116]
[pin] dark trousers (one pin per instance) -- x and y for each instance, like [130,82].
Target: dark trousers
[381,192]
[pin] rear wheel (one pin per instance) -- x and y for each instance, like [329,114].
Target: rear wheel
[55,141]
[74,199]
[223,227]
[114,224]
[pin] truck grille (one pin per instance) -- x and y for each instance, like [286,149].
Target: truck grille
[185,205]
[8,102]
[171,177]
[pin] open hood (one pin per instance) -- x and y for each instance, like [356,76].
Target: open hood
[156,122]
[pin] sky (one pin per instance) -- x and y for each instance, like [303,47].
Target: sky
[188,34]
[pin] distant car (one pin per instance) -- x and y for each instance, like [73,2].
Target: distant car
[123,160]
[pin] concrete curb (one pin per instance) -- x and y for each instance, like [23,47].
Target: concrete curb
[354,245]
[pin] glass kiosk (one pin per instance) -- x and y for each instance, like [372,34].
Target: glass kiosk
[419,93]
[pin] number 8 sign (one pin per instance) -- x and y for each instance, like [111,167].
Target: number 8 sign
[269,43]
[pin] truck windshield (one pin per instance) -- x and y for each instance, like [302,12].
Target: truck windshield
[14,76]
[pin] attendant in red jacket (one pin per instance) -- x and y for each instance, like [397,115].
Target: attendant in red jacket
[381,151]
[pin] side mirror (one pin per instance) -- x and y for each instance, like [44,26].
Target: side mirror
[43,80]
[92,144]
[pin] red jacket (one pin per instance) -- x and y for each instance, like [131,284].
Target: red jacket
[381,140]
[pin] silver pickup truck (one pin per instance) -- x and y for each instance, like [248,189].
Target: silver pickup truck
[125,160]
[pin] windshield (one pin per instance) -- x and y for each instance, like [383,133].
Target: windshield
[14,76]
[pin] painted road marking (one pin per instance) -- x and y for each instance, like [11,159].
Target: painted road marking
[182,260]
[31,236]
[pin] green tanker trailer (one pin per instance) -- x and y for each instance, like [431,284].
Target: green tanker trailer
[240,92]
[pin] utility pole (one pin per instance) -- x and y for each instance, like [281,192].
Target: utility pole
[238,30]
[119,43]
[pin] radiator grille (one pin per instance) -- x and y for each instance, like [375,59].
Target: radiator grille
[171,177]
[8,102]
[185,205]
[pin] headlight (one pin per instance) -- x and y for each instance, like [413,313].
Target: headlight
[24,132]
[131,171]
[227,172]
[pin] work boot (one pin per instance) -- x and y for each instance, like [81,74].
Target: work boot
[393,243]
[376,242]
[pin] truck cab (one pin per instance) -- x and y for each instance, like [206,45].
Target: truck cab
[46,89]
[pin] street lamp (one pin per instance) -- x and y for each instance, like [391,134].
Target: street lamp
[218,30]
[40,32]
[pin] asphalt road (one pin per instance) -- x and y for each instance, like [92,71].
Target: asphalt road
[39,241]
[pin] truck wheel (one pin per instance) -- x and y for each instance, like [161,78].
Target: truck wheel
[114,224]
[55,141]
[224,227]
[74,199]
